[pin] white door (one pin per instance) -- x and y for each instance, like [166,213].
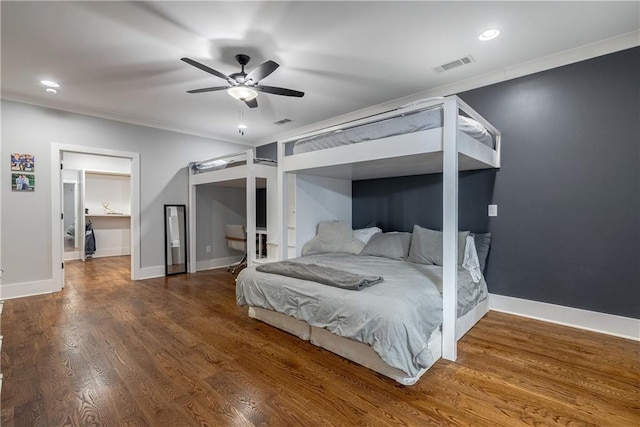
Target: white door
[83,217]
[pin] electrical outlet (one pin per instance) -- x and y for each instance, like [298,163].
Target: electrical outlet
[208,249]
[493,210]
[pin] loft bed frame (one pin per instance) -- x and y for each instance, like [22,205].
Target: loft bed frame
[442,149]
[237,169]
[321,191]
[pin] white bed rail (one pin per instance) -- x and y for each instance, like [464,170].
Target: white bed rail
[372,158]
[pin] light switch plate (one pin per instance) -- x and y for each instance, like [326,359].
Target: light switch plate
[493,210]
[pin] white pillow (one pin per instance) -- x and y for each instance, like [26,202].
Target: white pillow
[471,262]
[365,234]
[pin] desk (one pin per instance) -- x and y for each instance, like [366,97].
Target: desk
[261,234]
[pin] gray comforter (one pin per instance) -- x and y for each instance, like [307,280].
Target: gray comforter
[395,317]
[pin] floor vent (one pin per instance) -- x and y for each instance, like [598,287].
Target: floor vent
[281,122]
[457,63]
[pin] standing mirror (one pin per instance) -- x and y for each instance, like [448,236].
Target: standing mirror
[175,239]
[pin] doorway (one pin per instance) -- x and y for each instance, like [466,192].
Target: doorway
[113,213]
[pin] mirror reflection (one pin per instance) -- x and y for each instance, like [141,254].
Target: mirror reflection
[175,231]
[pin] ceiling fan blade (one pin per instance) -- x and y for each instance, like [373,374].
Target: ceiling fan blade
[252,103]
[205,68]
[278,91]
[261,71]
[208,89]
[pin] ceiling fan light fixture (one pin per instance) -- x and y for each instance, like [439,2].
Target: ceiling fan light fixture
[242,93]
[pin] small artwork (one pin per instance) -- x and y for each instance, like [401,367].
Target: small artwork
[23,162]
[23,182]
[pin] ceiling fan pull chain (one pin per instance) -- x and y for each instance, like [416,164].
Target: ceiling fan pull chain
[241,125]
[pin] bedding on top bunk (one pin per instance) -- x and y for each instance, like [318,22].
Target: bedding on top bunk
[408,123]
[395,317]
[211,165]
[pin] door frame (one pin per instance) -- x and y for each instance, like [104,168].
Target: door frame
[57,249]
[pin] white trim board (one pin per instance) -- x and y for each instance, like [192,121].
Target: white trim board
[27,289]
[211,264]
[571,56]
[610,324]
[151,272]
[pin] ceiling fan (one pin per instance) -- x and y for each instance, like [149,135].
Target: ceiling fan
[243,86]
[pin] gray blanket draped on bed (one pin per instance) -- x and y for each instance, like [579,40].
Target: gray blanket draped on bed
[318,273]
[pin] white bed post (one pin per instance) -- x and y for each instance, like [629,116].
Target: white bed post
[251,209]
[192,223]
[283,241]
[450,228]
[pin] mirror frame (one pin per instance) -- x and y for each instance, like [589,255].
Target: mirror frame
[167,244]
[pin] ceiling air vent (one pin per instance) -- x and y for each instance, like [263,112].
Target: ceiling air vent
[281,122]
[457,63]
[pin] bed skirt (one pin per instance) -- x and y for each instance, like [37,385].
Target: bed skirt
[360,353]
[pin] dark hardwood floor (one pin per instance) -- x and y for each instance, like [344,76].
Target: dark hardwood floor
[178,352]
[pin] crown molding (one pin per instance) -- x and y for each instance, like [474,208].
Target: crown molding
[593,50]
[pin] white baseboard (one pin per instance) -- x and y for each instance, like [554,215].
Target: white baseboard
[71,255]
[28,289]
[151,272]
[158,271]
[210,264]
[610,324]
[101,253]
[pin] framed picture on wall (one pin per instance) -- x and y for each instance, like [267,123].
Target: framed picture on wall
[23,162]
[23,182]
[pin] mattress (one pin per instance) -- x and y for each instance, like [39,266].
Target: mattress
[211,165]
[359,353]
[396,317]
[406,123]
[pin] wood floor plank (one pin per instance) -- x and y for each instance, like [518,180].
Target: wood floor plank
[178,351]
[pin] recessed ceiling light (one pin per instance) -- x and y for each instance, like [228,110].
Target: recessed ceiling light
[489,34]
[51,90]
[49,83]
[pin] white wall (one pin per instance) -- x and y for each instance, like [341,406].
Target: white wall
[26,217]
[320,199]
[78,161]
[113,233]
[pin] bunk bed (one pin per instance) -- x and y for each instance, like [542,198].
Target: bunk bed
[242,170]
[457,139]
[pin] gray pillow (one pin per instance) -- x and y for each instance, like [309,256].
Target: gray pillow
[334,236]
[483,243]
[426,246]
[394,245]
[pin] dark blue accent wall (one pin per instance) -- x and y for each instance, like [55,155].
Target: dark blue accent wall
[568,192]
[399,203]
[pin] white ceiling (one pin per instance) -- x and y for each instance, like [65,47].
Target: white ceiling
[121,60]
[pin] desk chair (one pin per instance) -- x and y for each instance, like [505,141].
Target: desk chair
[237,240]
